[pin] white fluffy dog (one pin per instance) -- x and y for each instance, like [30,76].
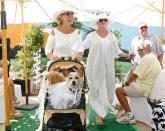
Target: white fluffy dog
[74,82]
[66,94]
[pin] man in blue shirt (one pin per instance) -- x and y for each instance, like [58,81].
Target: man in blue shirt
[145,37]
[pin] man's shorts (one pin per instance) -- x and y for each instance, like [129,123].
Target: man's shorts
[131,91]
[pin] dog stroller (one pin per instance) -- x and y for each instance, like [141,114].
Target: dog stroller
[73,119]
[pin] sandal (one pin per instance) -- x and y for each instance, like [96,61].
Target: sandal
[16,115]
[16,102]
[99,120]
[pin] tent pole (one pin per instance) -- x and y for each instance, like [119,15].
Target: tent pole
[5,65]
[25,55]
[162,22]
[25,106]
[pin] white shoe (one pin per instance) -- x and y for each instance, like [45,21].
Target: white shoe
[127,118]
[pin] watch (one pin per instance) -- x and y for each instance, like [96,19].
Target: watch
[126,83]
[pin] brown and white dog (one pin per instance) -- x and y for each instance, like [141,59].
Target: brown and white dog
[54,77]
[66,94]
[74,82]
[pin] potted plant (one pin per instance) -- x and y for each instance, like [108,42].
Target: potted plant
[32,40]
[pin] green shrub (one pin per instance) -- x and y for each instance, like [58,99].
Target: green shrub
[32,40]
[44,61]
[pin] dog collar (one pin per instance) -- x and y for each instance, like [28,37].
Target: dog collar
[73,91]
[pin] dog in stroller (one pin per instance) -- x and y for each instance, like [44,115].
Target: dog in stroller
[65,100]
[64,94]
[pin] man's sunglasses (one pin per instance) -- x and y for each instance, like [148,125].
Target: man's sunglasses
[101,20]
[68,13]
[140,50]
[144,27]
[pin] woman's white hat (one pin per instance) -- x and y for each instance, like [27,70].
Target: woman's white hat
[140,24]
[59,12]
[96,18]
[62,9]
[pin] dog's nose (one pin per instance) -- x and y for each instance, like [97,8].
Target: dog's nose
[73,83]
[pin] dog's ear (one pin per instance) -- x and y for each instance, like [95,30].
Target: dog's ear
[60,77]
[51,77]
[81,72]
[66,72]
[55,77]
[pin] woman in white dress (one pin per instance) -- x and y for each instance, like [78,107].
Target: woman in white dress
[64,40]
[103,48]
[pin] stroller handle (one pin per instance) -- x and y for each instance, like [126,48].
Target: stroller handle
[66,59]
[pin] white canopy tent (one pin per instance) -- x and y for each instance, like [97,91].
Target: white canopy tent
[40,10]
[125,11]
[129,12]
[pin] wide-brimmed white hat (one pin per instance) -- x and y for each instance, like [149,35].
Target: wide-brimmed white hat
[140,24]
[62,8]
[96,18]
[59,12]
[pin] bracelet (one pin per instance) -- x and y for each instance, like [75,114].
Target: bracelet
[126,83]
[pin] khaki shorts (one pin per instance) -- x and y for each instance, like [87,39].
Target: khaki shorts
[131,91]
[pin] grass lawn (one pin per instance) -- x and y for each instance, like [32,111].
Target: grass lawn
[110,124]
[29,122]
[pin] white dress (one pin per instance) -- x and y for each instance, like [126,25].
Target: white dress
[63,45]
[101,71]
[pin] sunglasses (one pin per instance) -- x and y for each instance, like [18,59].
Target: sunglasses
[143,27]
[68,13]
[140,50]
[101,20]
